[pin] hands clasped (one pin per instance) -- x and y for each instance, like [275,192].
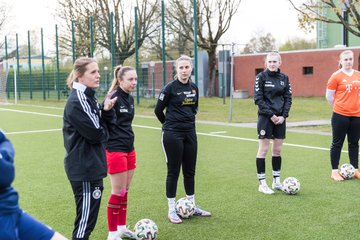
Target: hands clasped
[277,120]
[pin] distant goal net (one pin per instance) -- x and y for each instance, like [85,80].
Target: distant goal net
[4,71]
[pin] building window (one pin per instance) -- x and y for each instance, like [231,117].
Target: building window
[258,70]
[308,70]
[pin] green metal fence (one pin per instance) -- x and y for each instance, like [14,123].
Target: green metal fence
[43,76]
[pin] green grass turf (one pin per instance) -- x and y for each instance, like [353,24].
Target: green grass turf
[214,109]
[226,183]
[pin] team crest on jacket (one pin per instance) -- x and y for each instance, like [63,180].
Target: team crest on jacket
[96,194]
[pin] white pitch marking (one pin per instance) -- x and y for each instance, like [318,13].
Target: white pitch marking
[219,132]
[157,128]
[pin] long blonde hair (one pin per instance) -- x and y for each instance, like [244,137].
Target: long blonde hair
[78,70]
[118,75]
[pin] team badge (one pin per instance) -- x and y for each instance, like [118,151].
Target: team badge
[262,132]
[161,97]
[96,194]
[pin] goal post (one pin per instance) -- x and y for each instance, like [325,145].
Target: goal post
[4,72]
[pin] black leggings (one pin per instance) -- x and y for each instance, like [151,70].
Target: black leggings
[180,149]
[345,126]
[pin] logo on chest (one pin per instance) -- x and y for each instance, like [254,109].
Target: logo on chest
[123,109]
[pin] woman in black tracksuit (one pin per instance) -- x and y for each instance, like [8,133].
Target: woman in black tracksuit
[120,152]
[85,134]
[180,99]
[272,95]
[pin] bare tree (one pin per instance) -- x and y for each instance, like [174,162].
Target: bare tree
[214,18]
[260,43]
[297,44]
[3,16]
[123,24]
[313,10]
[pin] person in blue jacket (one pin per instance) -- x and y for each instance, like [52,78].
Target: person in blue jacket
[15,224]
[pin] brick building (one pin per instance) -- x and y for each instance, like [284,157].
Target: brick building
[308,70]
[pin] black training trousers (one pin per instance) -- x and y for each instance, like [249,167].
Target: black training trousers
[87,198]
[180,149]
[345,126]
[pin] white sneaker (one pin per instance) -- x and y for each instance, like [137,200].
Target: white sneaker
[174,218]
[127,234]
[277,186]
[265,189]
[201,213]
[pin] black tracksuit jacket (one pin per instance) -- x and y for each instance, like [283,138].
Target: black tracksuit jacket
[121,136]
[85,134]
[272,93]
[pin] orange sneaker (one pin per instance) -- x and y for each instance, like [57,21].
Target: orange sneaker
[336,176]
[357,174]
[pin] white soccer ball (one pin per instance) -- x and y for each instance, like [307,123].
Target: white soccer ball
[347,171]
[146,229]
[185,208]
[291,186]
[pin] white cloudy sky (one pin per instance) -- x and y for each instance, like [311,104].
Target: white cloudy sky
[274,16]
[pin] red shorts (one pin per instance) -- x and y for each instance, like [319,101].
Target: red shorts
[120,161]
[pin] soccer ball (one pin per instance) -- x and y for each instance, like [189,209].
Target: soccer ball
[347,171]
[291,186]
[145,229]
[185,208]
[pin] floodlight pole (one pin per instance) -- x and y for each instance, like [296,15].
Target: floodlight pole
[163,42]
[15,82]
[345,34]
[195,43]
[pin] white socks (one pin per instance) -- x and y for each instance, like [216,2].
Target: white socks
[262,182]
[277,180]
[121,228]
[191,198]
[171,204]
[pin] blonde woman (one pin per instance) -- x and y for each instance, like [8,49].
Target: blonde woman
[85,134]
[180,98]
[272,95]
[342,93]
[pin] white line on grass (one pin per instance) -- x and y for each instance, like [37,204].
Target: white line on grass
[157,128]
[219,132]
[244,139]
[34,113]
[34,131]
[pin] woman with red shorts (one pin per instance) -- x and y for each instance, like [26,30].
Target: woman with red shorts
[120,152]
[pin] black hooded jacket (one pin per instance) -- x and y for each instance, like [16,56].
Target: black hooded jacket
[272,93]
